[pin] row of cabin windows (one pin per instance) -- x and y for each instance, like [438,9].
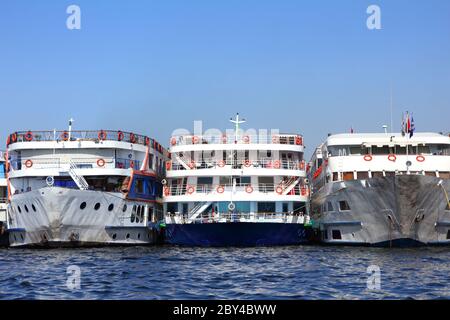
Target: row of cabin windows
[432,149]
[241,206]
[329,207]
[226,155]
[362,175]
[337,235]
[229,180]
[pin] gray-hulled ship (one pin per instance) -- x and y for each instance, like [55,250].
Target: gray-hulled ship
[382,189]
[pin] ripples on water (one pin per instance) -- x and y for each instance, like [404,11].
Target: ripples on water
[302,272]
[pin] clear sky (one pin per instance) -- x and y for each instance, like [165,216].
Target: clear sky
[311,67]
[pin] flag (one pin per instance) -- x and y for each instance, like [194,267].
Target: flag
[403,125]
[351,130]
[412,127]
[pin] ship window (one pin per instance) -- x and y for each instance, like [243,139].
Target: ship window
[348,176]
[114,236]
[330,207]
[139,235]
[444,175]
[18,208]
[377,174]
[124,209]
[224,181]
[430,173]
[337,235]
[139,188]
[285,207]
[83,205]
[343,206]
[299,207]
[362,175]
[381,151]
[34,208]
[128,236]
[335,176]
[243,180]
[325,234]
[26,208]
[266,207]
[111,207]
[204,180]
[97,206]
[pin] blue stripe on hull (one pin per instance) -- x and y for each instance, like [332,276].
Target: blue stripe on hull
[236,234]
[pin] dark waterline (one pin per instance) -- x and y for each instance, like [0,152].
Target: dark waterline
[298,272]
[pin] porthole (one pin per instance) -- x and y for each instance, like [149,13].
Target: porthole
[139,235]
[111,207]
[26,208]
[124,209]
[133,217]
[33,207]
[114,236]
[97,206]
[83,205]
[128,236]
[18,208]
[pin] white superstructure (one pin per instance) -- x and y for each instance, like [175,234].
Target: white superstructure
[84,187]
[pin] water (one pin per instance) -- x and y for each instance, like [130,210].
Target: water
[301,272]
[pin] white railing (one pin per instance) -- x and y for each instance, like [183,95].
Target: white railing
[82,163]
[282,217]
[290,139]
[237,164]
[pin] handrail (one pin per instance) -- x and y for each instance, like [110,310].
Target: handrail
[290,139]
[240,164]
[59,162]
[234,216]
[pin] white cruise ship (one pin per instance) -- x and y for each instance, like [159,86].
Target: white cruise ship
[73,188]
[236,190]
[382,189]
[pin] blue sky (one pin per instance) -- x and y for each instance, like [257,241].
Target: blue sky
[311,67]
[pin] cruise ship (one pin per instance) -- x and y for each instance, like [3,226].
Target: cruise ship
[382,189]
[3,201]
[84,188]
[236,189]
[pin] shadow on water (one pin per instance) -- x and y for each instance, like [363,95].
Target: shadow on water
[168,272]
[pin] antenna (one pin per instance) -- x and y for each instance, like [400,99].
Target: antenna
[392,111]
[237,122]
[70,127]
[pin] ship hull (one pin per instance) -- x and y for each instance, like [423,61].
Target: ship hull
[399,211]
[238,234]
[52,217]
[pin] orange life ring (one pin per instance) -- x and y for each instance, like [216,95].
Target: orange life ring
[102,135]
[101,163]
[221,164]
[190,190]
[220,189]
[246,139]
[120,136]
[368,157]
[166,191]
[279,190]
[192,165]
[168,165]
[132,138]
[277,164]
[303,191]
[392,157]
[173,141]
[302,165]
[247,163]
[132,164]
[14,138]
[147,141]
[65,136]
[28,163]
[420,158]
[195,140]
[28,136]
[298,141]
[249,189]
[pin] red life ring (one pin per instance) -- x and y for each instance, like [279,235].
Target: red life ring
[220,189]
[249,189]
[247,163]
[368,157]
[14,138]
[190,190]
[277,164]
[147,141]
[192,165]
[28,163]
[302,165]
[102,135]
[120,136]
[28,136]
[298,141]
[166,191]
[132,138]
[279,190]
[173,141]
[246,139]
[168,165]
[392,157]
[65,136]
[221,164]
[420,158]
[195,140]
[101,163]
[131,164]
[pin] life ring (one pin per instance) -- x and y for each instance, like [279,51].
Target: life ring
[277,164]
[298,141]
[132,138]
[279,190]
[220,189]
[168,165]
[302,165]
[420,159]
[101,163]
[102,135]
[120,136]
[247,163]
[368,157]
[192,165]
[14,138]
[249,189]
[28,163]
[166,191]
[303,191]
[246,139]
[221,164]
[275,139]
[147,141]
[224,139]
[392,157]
[195,140]
[190,190]
[132,164]
[173,141]
[65,136]
[28,136]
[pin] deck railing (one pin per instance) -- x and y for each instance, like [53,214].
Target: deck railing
[284,217]
[291,139]
[239,164]
[81,163]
